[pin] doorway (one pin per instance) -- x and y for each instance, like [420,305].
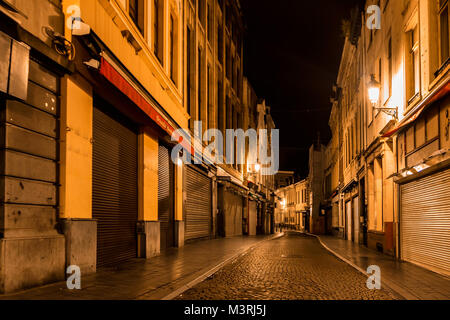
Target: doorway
[114,185]
[356,220]
[364,218]
[165,198]
[348,216]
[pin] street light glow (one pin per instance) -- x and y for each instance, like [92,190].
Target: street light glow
[374,90]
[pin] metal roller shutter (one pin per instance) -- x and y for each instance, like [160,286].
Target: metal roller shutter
[114,189]
[252,217]
[165,200]
[198,205]
[425,222]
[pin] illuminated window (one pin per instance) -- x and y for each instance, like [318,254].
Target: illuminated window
[210,25]
[190,70]
[173,49]
[136,11]
[158,30]
[220,43]
[210,105]
[220,107]
[389,57]
[444,31]
[201,12]
[413,62]
[228,60]
[200,85]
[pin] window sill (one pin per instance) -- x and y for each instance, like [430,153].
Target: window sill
[421,147]
[412,103]
[445,66]
[440,74]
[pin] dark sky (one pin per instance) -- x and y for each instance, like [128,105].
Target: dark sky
[292,55]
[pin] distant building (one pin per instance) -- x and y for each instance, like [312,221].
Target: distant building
[293,206]
[284,179]
[316,177]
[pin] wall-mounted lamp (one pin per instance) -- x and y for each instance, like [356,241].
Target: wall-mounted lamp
[374,97]
[253,168]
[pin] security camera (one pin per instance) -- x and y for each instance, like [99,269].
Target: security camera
[80,28]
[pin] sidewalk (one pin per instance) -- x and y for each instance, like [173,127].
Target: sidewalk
[158,278]
[408,280]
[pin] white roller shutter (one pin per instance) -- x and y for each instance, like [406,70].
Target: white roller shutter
[425,222]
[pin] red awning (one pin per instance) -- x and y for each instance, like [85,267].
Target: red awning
[438,93]
[122,84]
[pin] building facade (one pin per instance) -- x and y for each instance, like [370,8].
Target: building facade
[32,248]
[387,175]
[316,220]
[293,208]
[284,179]
[92,113]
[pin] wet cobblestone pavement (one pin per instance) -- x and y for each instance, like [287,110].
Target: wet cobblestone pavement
[294,267]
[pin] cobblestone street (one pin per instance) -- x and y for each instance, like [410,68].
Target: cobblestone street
[294,267]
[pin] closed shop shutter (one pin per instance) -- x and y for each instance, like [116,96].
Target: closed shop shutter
[198,205]
[233,212]
[165,200]
[114,189]
[425,222]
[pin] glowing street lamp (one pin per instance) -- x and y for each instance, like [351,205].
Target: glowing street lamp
[257,167]
[374,97]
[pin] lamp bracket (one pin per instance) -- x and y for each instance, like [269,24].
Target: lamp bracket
[393,112]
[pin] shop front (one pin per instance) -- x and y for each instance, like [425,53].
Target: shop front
[198,211]
[232,199]
[136,187]
[425,221]
[114,184]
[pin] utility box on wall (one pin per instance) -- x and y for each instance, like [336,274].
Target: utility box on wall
[14,67]
[36,16]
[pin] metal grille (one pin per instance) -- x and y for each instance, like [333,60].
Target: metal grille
[114,189]
[165,199]
[198,205]
[425,222]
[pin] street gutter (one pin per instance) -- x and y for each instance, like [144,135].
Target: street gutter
[397,290]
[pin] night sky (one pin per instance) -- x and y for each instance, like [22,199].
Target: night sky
[291,58]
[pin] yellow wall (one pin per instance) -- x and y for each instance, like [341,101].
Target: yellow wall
[148,177]
[389,168]
[445,123]
[108,19]
[76,149]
